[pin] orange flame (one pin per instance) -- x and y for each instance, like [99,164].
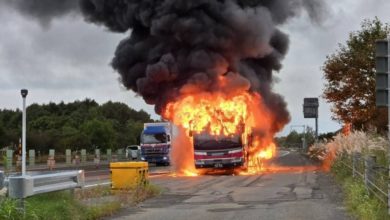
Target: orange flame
[268,152]
[256,163]
[212,112]
[190,173]
[225,114]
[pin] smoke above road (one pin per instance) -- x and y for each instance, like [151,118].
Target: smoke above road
[177,47]
[44,11]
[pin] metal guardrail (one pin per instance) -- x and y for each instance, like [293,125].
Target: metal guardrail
[375,178]
[24,186]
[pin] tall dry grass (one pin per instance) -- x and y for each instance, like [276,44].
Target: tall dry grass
[361,142]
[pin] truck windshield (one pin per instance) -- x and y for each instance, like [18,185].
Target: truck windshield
[205,141]
[154,138]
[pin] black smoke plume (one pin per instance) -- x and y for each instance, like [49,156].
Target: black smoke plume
[176,44]
[44,11]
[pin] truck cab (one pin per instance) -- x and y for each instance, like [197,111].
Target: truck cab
[156,143]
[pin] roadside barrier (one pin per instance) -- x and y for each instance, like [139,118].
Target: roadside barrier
[21,187]
[375,177]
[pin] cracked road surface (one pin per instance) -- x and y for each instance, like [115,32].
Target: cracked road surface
[291,189]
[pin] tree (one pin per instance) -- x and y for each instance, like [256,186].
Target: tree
[350,78]
[293,139]
[76,125]
[310,136]
[3,137]
[100,133]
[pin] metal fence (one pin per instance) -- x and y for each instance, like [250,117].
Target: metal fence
[374,175]
[10,162]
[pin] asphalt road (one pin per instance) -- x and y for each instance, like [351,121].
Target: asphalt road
[292,189]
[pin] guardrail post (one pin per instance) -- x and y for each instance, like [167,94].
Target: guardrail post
[51,162]
[96,160]
[31,157]
[119,153]
[83,156]
[8,162]
[369,163]
[68,156]
[109,155]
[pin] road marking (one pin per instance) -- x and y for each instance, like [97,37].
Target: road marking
[153,175]
[96,171]
[283,153]
[98,184]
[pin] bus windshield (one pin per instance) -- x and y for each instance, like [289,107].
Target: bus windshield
[206,141]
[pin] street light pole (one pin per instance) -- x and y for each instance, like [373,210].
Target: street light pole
[24,93]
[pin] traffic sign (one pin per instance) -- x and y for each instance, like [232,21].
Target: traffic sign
[310,107]
[310,110]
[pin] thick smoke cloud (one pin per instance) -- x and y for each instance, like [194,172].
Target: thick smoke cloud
[43,11]
[178,46]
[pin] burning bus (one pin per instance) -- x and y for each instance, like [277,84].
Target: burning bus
[219,151]
[225,131]
[212,62]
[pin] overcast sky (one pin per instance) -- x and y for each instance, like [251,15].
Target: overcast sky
[69,59]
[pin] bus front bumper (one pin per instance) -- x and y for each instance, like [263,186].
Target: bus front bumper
[219,163]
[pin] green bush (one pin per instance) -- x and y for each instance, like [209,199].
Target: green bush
[65,205]
[340,170]
[357,199]
[55,206]
[9,210]
[361,203]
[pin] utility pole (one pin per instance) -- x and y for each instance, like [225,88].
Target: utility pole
[24,93]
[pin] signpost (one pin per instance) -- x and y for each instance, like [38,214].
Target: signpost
[382,86]
[310,110]
[382,75]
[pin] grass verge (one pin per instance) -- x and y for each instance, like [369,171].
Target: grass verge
[358,201]
[93,203]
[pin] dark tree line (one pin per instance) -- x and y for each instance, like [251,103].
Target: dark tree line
[80,124]
[295,139]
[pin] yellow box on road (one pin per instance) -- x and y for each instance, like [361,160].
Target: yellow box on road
[125,175]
